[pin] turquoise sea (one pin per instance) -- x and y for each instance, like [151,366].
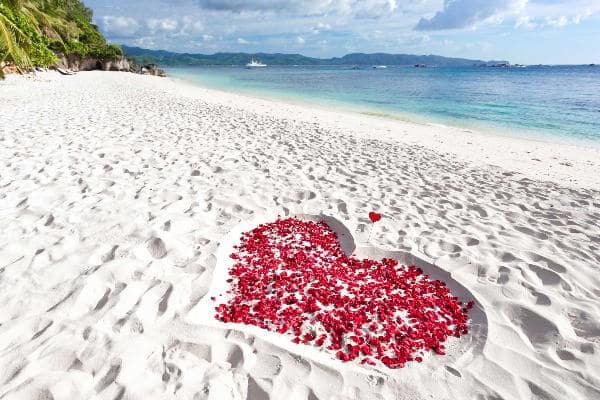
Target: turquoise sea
[546,102]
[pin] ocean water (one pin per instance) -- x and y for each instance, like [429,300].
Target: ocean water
[545,102]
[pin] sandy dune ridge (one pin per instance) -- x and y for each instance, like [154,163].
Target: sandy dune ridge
[117,190]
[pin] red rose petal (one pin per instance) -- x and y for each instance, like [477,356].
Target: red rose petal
[374,217]
[292,277]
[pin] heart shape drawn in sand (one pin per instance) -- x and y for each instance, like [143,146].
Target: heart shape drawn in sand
[292,276]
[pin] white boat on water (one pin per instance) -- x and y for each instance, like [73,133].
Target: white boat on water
[255,64]
[379,66]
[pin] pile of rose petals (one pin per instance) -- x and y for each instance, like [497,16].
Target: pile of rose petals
[292,277]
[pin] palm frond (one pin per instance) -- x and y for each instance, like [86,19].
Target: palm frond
[11,40]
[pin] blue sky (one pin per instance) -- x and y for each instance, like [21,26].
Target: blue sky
[522,31]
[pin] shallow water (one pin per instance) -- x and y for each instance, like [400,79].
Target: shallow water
[547,101]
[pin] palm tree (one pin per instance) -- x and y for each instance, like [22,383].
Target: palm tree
[12,38]
[34,31]
[43,16]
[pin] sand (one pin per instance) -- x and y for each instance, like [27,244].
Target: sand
[120,194]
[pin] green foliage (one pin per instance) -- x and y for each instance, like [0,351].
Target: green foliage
[36,45]
[13,38]
[33,32]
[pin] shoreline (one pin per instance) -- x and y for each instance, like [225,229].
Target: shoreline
[122,195]
[342,106]
[560,161]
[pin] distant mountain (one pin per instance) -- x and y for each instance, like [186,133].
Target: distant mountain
[167,58]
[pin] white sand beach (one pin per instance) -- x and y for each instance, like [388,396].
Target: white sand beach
[118,193]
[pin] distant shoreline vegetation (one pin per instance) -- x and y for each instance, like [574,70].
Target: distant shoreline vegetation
[38,32]
[167,58]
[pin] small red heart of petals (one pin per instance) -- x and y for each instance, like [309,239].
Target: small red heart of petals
[292,277]
[374,217]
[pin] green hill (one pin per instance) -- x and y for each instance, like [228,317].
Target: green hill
[167,58]
[34,32]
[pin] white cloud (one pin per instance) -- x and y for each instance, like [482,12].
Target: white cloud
[120,26]
[558,22]
[300,40]
[525,22]
[190,25]
[458,14]
[165,24]
[145,42]
[359,8]
[315,30]
[372,8]
[242,41]
[556,14]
